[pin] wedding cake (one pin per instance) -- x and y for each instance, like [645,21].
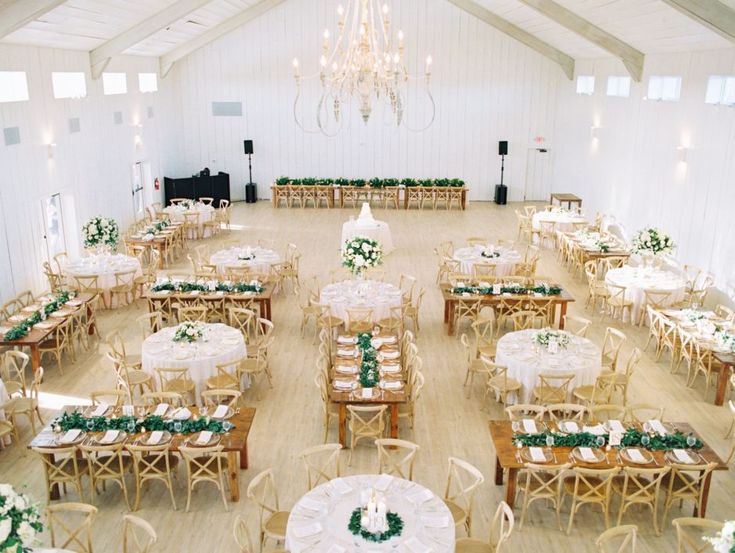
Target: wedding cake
[365,219]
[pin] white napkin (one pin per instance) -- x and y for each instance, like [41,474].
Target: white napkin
[570,427]
[110,436]
[220,412]
[346,352]
[70,436]
[615,425]
[391,368]
[367,393]
[392,384]
[415,546]
[155,437]
[346,340]
[311,504]
[346,369]
[100,410]
[537,454]
[182,414]
[435,521]
[421,497]
[587,455]
[657,427]
[343,384]
[389,339]
[391,354]
[309,530]
[597,430]
[683,457]
[204,437]
[161,409]
[529,426]
[383,481]
[636,456]
[340,486]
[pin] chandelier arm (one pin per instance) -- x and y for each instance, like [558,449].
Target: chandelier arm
[319,119]
[433,111]
[295,111]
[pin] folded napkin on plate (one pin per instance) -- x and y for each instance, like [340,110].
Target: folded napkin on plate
[389,339]
[110,436]
[220,412]
[70,436]
[4,329]
[537,454]
[308,530]
[155,437]
[390,354]
[45,326]
[182,414]
[390,368]
[570,427]
[529,426]
[421,497]
[615,425]
[346,340]
[345,352]
[683,457]
[435,521]
[657,427]
[346,369]
[415,546]
[376,342]
[597,430]
[161,409]
[392,384]
[343,384]
[383,481]
[204,437]
[587,454]
[340,486]
[636,456]
[100,410]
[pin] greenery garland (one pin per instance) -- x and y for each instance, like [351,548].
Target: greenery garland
[219,286]
[21,329]
[369,376]
[130,424]
[395,527]
[508,289]
[372,183]
[631,438]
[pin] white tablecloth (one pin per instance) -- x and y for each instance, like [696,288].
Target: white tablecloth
[564,219]
[264,258]
[504,265]
[104,266]
[525,362]
[359,294]
[206,212]
[427,523]
[638,279]
[376,230]
[224,344]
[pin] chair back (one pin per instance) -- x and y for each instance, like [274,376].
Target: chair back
[193,313]
[462,483]
[625,535]
[173,378]
[566,411]
[174,399]
[553,387]
[242,536]
[688,482]
[527,319]
[686,542]
[576,325]
[65,534]
[262,491]
[612,343]
[138,535]
[396,457]
[244,320]
[13,372]
[521,411]
[321,463]
[214,398]
[64,467]
[111,397]
[359,318]
[367,420]
[604,412]
[643,412]
[150,323]
[592,485]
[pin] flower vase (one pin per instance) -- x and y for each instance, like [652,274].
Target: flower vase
[647,260]
[360,275]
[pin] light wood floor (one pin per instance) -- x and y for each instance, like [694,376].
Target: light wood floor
[289,417]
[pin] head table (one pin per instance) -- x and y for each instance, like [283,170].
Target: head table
[360,294]
[504,263]
[256,259]
[526,361]
[319,520]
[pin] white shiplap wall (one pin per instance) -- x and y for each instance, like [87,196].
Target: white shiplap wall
[91,169]
[632,169]
[487,87]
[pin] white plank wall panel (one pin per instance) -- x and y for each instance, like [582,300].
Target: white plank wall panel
[487,87]
[632,169]
[91,169]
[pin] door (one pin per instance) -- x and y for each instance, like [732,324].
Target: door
[538,184]
[54,236]
[138,200]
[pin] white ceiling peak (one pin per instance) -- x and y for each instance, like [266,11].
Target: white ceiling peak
[21,12]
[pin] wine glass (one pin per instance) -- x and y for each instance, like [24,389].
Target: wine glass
[691,440]
[227,426]
[645,440]
[600,441]
[550,440]
[90,425]
[131,427]
[203,410]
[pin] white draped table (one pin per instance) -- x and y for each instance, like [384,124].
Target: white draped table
[318,522]
[261,261]
[504,264]
[526,361]
[376,230]
[637,280]
[360,294]
[563,219]
[223,344]
[104,266]
[206,212]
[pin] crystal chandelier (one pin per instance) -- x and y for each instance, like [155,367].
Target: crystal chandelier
[365,63]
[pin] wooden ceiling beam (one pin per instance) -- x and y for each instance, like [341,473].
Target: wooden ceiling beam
[712,14]
[21,12]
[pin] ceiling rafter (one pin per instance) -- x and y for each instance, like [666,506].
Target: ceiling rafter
[168,59]
[21,12]
[545,49]
[712,14]
[100,56]
[631,58]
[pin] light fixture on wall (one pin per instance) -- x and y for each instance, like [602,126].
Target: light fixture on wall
[138,142]
[366,62]
[51,147]
[594,131]
[681,153]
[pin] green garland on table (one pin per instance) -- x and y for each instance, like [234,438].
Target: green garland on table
[508,289]
[21,329]
[199,287]
[604,247]
[69,421]
[631,438]
[395,527]
[369,376]
[372,183]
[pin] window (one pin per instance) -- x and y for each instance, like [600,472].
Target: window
[114,83]
[720,90]
[618,86]
[586,85]
[13,86]
[667,89]
[147,82]
[69,85]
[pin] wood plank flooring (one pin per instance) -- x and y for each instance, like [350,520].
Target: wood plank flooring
[289,417]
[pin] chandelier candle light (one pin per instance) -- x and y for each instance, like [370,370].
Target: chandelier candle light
[366,61]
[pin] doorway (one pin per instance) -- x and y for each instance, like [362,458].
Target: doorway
[137,183]
[538,173]
[54,235]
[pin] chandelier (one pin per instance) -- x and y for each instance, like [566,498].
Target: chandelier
[365,63]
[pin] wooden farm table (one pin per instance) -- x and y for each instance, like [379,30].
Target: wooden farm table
[505,459]
[263,299]
[235,443]
[450,303]
[725,369]
[565,197]
[388,397]
[279,192]
[36,336]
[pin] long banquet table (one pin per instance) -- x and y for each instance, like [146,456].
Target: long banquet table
[163,301]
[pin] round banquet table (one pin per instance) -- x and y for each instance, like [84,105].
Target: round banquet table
[262,262]
[224,344]
[206,212]
[504,265]
[104,266]
[360,294]
[525,361]
[318,522]
[564,219]
[376,230]
[638,279]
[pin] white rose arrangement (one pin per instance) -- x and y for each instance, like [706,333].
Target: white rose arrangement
[652,241]
[724,541]
[548,335]
[360,253]
[100,231]
[189,332]
[20,521]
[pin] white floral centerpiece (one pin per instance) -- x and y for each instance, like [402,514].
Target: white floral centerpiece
[187,204]
[652,241]
[189,332]
[724,541]
[490,252]
[20,521]
[548,336]
[100,231]
[360,253]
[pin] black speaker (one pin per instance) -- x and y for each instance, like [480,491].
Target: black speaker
[501,194]
[248,144]
[503,148]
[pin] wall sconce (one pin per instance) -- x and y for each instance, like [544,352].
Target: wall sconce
[594,131]
[51,149]
[138,142]
[681,153]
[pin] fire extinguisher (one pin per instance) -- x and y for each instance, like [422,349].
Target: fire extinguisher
[157,184]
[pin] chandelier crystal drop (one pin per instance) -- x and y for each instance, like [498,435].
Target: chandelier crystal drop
[365,63]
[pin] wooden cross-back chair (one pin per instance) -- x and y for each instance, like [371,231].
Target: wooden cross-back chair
[321,463]
[396,457]
[63,534]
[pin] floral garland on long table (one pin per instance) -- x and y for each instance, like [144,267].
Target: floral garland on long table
[22,328]
[130,424]
[508,289]
[210,286]
[369,376]
[631,438]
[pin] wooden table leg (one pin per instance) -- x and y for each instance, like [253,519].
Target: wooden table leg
[35,358]
[450,327]
[722,384]
[562,313]
[498,472]
[234,475]
[342,422]
[446,312]
[705,497]
[394,420]
[268,308]
[510,487]
[244,456]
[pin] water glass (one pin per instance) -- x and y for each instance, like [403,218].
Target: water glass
[600,441]
[691,440]
[645,440]
[177,427]
[549,441]
[90,425]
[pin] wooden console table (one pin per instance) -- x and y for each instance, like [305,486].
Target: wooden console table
[565,197]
